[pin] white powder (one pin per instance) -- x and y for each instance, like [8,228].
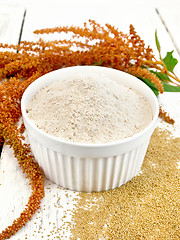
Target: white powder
[89,109]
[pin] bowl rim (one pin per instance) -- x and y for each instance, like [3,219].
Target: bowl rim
[89,145]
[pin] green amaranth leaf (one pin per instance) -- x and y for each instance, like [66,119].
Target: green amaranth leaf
[151,85]
[167,87]
[170,61]
[98,63]
[170,88]
[157,42]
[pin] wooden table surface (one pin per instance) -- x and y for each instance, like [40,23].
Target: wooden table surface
[18,20]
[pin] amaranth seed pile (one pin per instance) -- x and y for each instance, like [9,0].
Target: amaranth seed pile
[89,108]
[147,207]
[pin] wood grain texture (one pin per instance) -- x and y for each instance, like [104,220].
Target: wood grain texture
[171,19]
[11,19]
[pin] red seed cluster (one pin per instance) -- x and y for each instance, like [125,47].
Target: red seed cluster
[164,115]
[10,94]
[32,171]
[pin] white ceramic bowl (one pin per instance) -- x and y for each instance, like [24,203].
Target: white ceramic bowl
[89,167]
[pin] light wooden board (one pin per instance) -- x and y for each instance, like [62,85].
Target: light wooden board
[171,18]
[57,202]
[11,18]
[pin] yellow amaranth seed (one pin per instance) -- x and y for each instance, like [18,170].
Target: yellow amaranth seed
[147,207]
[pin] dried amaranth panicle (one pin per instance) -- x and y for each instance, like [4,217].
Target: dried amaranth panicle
[94,44]
[10,112]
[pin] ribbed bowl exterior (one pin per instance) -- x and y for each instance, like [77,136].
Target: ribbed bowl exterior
[88,174]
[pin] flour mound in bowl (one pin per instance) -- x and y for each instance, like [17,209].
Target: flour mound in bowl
[89,108]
